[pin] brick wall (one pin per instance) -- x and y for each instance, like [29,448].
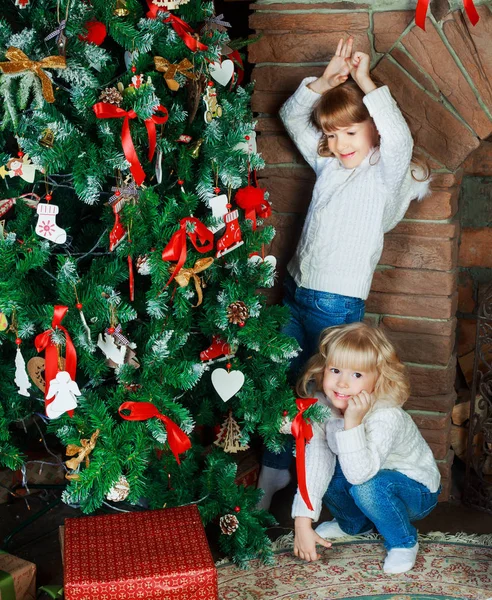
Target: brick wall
[441,79]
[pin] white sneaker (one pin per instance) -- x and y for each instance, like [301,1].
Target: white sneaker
[400,560]
[331,530]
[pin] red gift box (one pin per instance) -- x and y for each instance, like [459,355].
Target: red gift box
[160,554]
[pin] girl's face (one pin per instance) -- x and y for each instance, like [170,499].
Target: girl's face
[340,384]
[352,144]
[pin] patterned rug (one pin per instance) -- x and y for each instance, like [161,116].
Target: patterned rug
[448,568]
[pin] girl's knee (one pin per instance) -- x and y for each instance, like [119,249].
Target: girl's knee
[368,494]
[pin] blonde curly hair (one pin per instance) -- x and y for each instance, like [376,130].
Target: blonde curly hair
[362,348]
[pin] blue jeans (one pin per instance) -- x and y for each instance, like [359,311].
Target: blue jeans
[311,312]
[390,501]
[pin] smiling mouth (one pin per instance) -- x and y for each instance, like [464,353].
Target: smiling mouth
[342,396]
[347,155]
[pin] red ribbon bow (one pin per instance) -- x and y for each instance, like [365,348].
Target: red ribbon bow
[236,57]
[43,341]
[302,431]
[252,200]
[178,441]
[105,110]
[176,248]
[423,5]
[182,28]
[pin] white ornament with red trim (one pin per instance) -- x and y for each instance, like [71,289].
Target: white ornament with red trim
[218,204]
[227,383]
[249,145]
[46,226]
[64,390]
[22,3]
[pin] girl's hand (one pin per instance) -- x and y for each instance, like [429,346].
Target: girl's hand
[357,408]
[338,68]
[360,64]
[305,540]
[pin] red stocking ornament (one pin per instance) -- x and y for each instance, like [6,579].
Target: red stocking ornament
[232,237]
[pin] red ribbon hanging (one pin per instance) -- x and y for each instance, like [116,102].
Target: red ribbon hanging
[252,200]
[236,57]
[176,248]
[105,110]
[302,431]
[178,441]
[182,28]
[423,5]
[43,341]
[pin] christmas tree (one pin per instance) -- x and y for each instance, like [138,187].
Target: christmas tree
[132,245]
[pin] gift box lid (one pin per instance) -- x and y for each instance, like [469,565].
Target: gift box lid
[137,546]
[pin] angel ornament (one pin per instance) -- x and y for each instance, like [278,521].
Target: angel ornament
[114,353]
[63,390]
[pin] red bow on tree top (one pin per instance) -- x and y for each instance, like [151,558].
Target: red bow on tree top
[423,5]
[105,110]
[302,431]
[177,439]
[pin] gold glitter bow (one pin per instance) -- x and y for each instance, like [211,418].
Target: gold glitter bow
[20,62]
[184,276]
[169,69]
[83,452]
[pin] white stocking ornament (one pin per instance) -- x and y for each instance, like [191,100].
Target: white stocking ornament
[64,391]
[46,226]
[218,204]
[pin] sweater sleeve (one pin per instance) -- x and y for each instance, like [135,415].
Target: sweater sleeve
[296,115]
[320,464]
[363,450]
[396,144]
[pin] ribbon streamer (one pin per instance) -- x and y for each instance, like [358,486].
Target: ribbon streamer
[178,441]
[182,28]
[32,200]
[218,20]
[185,275]
[170,69]
[302,431]
[57,31]
[43,341]
[105,110]
[176,248]
[423,5]
[118,334]
[20,62]
[236,57]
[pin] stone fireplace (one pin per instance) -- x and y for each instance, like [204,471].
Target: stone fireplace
[442,80]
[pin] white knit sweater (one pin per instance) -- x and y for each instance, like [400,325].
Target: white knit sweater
[387,439]
[351,209]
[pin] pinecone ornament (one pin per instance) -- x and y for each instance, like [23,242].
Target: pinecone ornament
[111,95]
[119,491]
[228,524]
[237,312]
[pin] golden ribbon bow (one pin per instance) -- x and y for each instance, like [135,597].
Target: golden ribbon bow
[169,69]
[83,452]
[20,62]
[184,276]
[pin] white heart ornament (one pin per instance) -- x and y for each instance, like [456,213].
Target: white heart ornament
[270,259]
[222,72]
[227,383]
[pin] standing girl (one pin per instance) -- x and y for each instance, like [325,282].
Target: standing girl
[368,463]
[355,138]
